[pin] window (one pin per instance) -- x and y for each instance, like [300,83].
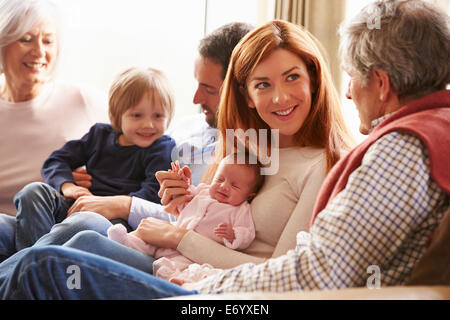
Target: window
[103,37]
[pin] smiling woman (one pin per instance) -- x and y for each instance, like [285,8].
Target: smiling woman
[28,62]
[37,112]
[279,89]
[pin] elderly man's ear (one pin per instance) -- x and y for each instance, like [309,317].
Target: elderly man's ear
[383,84]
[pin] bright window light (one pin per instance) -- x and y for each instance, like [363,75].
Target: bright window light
[104,37]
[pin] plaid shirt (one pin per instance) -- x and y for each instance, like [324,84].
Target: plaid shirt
[382,219]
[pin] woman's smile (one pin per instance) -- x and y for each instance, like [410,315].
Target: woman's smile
[286,114]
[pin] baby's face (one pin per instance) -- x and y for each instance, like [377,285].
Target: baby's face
[232,184]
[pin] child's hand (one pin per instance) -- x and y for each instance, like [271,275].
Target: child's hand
[73,191]
[225,231]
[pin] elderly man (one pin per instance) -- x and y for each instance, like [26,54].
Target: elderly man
[377,208]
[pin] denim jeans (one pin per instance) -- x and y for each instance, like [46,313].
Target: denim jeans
[59,234]
[94,242]
[60,272]
[7,232]
[39,208]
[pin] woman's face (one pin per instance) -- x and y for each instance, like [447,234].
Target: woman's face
[279,89]
[29,60]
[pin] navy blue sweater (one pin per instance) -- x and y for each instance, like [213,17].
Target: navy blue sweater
[115,169]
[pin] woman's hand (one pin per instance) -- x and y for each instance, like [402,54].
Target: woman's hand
[82,178]
[111,207]
[160,233]
[173,191]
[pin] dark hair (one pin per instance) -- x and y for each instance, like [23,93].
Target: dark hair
[250,160]
[219,44]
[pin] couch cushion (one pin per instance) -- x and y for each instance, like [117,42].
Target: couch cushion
[434,267]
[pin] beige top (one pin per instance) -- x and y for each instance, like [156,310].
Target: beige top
[282,208]
[33,129]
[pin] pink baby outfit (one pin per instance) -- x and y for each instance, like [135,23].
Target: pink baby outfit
[202,214]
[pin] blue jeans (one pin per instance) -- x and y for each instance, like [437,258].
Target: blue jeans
[59,234]
[7,231]
[39,208]
[94,242]
[87,231]
[59,272]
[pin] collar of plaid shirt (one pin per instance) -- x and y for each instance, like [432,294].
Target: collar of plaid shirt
[428,118]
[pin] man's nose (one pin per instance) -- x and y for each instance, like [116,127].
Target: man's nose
[199,97]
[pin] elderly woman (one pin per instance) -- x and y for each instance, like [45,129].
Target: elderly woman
[378,206]
[37,114]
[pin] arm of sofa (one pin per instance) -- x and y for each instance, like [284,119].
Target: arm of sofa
[433,268]
[386,293]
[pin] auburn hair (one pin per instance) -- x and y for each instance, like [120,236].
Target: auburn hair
[324,127]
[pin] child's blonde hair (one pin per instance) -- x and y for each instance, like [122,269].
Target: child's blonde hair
[129,87]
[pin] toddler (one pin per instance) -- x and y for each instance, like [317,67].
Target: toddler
[220,211]
[122,158]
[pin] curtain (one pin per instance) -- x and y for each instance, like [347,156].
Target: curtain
[321,18]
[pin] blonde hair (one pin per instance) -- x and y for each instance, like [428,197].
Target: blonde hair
[129,87]
[324,126]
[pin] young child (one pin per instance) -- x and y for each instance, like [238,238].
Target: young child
[219,211]
[122,158]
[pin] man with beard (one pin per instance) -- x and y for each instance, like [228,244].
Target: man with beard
[196,135]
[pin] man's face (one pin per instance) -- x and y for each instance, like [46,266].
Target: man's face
[209,78]
[365,97]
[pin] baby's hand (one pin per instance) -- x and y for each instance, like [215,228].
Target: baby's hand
[184,173]
[73,191]
[225,231]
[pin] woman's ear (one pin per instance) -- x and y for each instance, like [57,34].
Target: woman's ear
[246,97]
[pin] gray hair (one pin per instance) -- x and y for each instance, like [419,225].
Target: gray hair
[17,17]
[409,40]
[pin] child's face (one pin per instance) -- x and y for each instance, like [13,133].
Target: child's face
[232,184]
[144,123]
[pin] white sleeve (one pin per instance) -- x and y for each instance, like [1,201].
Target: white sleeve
[141,209]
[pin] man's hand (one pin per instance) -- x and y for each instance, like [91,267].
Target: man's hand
[73,191]
[173,191]
[112,207]
[82,178]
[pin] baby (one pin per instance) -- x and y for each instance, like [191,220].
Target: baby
[220,211]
